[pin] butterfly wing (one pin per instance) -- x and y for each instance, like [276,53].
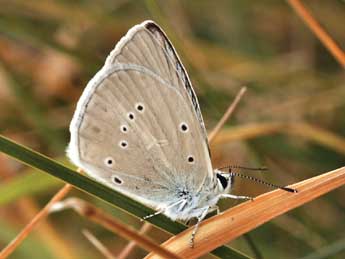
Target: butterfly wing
[138,126]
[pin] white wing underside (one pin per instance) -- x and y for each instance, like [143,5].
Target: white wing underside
[145,70]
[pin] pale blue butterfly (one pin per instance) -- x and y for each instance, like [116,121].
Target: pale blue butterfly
[138,129]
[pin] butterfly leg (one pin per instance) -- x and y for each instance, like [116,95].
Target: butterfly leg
[153,214]
[162,210]
[196,226]
[214,208]
[231,196]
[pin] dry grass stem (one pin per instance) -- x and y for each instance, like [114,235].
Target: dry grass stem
[131,245]
[226,115]
[227,226]
[33,223]
[96,215]
[318,135]
[320,33]
[98,245]
[47,233]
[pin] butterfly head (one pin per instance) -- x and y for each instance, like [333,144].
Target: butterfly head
[224,181]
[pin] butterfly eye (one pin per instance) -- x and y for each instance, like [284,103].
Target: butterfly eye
[190,159]
[117,180]
[109,162]
[123,144]
[184,127]
[130,116]
[140,107]
[124,128]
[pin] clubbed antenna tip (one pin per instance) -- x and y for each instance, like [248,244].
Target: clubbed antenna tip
[289,189]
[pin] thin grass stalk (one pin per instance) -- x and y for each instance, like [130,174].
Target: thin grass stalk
[131,245]
[98,244]
[226,115]
[303,130]
[319,32]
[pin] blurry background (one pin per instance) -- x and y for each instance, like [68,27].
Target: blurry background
[291,119]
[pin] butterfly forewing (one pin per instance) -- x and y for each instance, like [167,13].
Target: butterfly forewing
[138,126]
[148,46]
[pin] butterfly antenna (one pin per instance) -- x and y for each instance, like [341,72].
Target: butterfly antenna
[244,168]
[262,182]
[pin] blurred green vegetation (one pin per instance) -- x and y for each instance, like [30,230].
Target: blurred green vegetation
[50,49]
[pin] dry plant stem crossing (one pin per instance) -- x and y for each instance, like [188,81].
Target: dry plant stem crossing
[226,115]
[320,33]
[33,223]
[227,226]
[100,247]
[131,245]
[301,129]
[94,214]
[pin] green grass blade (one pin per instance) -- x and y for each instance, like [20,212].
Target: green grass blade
[45,164]
[26,184]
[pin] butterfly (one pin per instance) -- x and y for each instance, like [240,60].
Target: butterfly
[138,129]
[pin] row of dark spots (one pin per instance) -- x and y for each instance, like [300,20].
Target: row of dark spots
[124,128]
[123,143]
[131,116]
